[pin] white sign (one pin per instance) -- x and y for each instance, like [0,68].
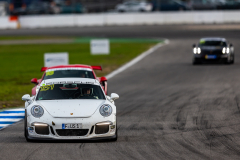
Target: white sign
[54,59]
[100,46]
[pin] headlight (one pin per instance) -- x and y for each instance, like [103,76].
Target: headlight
[224,50]
[228,50]
[196,50]
[199,50]
[37,111]
[105,110]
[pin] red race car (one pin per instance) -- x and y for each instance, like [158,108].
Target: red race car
[69,71]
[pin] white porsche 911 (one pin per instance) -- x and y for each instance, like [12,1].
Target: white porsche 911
[70,108]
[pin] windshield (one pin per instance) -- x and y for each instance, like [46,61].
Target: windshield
[212,43]
[50,74]
[70,91]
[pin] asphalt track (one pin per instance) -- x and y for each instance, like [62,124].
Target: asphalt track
[168,109]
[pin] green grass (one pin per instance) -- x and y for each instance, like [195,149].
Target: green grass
[20,63]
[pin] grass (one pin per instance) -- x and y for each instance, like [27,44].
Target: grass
[20,63]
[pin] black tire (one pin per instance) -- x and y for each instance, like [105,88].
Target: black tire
[25,128]
[232,62]
[195,61]
[227,62]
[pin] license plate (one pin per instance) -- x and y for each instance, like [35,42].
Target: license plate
[72,126]
[210,57]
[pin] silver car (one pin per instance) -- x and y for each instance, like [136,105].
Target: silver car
[134,6]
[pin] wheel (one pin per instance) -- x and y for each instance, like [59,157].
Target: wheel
[195,61]
[25,128]
[232,62]
[227,61]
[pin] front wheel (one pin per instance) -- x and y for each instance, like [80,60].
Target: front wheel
[195,61]
[25,128]
[232,61]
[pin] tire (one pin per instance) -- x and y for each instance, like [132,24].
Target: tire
[25,128]
[227,62]
[232,62]
[195,61]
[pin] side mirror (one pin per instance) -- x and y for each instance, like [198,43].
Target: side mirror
[114,96]
[103,79]
[26,97]
[35,81]
[230,45]
[194,45]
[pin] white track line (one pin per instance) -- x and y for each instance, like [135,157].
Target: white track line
[137,59]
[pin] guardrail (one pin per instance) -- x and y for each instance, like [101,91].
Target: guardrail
[108,19]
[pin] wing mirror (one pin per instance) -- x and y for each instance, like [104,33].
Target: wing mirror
[230,45]
[114,96]
[35,81]
[26,97]
[194,45]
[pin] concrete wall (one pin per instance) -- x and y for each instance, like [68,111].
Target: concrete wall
[105,19]
[7,23]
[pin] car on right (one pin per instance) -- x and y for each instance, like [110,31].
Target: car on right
[213,49]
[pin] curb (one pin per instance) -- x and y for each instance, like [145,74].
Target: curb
[11,116]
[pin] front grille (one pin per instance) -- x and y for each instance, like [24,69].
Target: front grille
[101,129]
[72,132]
[44,130]
[213,52]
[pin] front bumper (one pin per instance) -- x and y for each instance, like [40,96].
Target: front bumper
[53,129]
[205,57]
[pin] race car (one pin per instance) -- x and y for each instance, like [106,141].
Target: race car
[70,108]
[68,71]
[213,49]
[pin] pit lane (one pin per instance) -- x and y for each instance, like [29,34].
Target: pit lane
[168,109]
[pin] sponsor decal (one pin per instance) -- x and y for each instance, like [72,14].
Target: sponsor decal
[47,87]
[49,73]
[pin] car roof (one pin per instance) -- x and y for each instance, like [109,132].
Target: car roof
[71,66]
[213,39]
[70,80]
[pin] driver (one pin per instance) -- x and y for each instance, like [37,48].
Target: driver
[82,75]
[88,93]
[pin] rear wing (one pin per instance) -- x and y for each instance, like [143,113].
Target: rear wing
[43,69]
[97,67]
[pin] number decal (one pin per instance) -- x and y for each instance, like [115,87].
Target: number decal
[47,87]
[49,73]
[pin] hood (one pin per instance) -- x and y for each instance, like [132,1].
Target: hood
[64,108]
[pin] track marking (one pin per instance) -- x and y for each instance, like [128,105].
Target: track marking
[137,59]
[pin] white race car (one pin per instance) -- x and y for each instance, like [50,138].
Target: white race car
[70,108]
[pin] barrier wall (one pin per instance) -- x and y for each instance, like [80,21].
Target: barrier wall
[8,22]
[107,19]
